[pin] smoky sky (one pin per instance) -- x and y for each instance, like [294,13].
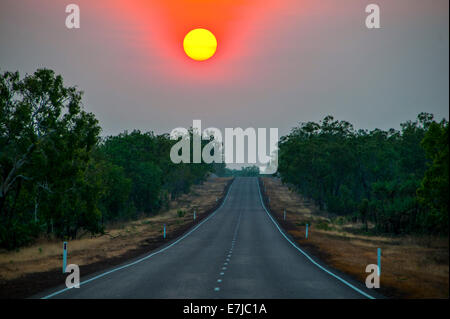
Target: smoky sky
[297,62]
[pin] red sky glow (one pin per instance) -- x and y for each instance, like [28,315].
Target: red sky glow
[161,25]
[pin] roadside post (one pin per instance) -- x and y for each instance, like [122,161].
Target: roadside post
[306,233]
[64,257]
[164,231]
[284,215]
[379,261]
[194,214]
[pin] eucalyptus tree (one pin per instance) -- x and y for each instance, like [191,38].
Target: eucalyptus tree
[45,142]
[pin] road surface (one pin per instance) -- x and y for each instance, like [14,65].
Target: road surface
[238,252]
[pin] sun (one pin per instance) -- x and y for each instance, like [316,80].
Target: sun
[200,44]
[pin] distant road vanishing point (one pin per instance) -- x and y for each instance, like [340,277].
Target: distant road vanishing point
[239,251]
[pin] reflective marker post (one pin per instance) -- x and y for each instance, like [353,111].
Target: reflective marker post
[164,231]
[284,215]
[306,234]
[64,256]
[194,214]
[379,261]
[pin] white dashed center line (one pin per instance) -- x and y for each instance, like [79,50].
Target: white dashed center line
[227,260]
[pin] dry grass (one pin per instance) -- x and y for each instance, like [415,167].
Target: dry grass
[45,255]
[412,267]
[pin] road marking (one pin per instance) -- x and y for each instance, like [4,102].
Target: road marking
[229,255]
[305,254]
[150,255]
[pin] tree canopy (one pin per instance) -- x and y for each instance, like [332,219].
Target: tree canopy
[57,176]
[395,179]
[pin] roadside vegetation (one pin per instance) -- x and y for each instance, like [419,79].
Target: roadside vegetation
[247,171]
[398,181]
[59,178]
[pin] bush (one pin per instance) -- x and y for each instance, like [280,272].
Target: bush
[18,234]
[323,226]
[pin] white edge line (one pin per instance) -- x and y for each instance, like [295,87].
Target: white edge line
[148,256]
[306,255]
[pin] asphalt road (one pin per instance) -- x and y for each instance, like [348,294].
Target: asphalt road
[238,252]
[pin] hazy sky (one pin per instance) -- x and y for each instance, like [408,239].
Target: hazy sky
[278,62]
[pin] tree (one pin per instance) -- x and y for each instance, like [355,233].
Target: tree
[57,176]
[375,174]
[433,193]
[45,143]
